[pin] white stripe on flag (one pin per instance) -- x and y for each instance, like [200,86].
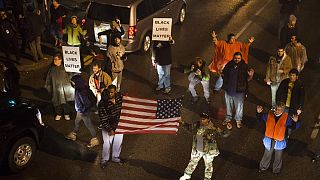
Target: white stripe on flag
[119,131]
[128,118]
[147,126]
[138,106]
[140,100]
[138,113]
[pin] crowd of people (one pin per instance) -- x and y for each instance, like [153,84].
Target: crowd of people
[101,92]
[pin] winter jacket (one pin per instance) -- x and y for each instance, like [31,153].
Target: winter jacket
[109,113]
[74,33]
[81,101]
[242,76]
[297,95]
[298,55]
[35,26]
[205,73]
[111,35]
[115,54]
[59,85]
[100,83]
[162,55]
[209,134]
[273,67]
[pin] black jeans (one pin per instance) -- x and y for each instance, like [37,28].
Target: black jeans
[63,109]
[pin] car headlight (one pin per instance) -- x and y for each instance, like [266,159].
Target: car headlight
[39,117]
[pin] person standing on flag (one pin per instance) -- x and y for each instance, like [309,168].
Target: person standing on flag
[204,145]
[109,109]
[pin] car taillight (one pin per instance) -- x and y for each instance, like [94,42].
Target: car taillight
[83,21]
[132,32]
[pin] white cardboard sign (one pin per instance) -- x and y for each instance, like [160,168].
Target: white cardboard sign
[161,29]
[71,58]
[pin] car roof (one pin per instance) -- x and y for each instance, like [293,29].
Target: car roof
[117,2]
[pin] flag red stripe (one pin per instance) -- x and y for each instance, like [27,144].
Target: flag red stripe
[139,109]
[145,123]
[149,132]
[137,128]
[140,103]
[137,116]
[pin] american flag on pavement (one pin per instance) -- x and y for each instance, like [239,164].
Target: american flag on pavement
[148,116]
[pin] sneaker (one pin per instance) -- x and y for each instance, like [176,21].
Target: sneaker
[71,136]
[239,124]
[261,170]
[93,142]
[185,177]
[118,161]
[226,121]
[167,90]
[103,164]
[67,117]
[58,117]
[158,88]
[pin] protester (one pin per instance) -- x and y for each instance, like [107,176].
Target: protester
[162,60]
[98,81]
[291,29]
[115,30]
[8,36]
[10,79]
[35,26]
[278,69]
[274,141]
[288,7]
[116,55]
[317,152]
[235,85]
[297,52]
[74,31]
[291,93]
[224,51]
[109,113]
[101,59]
[59,86]
[58,15]
[199,73]
[82,106]
[204,145]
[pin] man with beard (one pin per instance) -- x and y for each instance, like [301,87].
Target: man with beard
[277,70]
[297,52]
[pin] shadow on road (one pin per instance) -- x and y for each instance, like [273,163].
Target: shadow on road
[55,144]
[239,159]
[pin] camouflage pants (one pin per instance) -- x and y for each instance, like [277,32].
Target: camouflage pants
[195,157]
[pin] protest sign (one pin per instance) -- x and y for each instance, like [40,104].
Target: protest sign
[71,58]
[161,29]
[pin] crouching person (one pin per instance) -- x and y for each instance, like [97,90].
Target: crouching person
[82,106]
[204,145]
[274,141]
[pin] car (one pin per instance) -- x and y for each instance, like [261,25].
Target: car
[136,18]
[75,7]
[21,130]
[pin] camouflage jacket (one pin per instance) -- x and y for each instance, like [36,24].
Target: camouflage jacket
[209,134]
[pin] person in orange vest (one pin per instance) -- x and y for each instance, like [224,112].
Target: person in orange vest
[277,122]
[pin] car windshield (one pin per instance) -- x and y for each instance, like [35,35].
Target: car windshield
[107,13]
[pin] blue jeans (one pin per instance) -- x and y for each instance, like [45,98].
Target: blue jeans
[235,101]
[164,76]
[274,87]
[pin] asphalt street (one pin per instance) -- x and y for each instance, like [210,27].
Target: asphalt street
[155,157]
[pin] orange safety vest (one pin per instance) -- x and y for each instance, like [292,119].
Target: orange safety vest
[276,130]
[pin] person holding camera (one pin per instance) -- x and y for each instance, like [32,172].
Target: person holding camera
[116,54]
[115,30]
[199,73]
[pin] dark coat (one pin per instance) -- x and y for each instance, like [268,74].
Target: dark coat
[162,54]
[11,78]
[81,100]
[35,26]
[297,95]
[112,34]
[286,33]
[242,76]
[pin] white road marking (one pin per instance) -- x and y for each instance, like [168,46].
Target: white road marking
[250,22]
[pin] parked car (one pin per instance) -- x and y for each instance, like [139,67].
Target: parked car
[21,129]
[136,17]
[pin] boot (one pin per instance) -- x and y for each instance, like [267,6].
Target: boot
[93,142]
